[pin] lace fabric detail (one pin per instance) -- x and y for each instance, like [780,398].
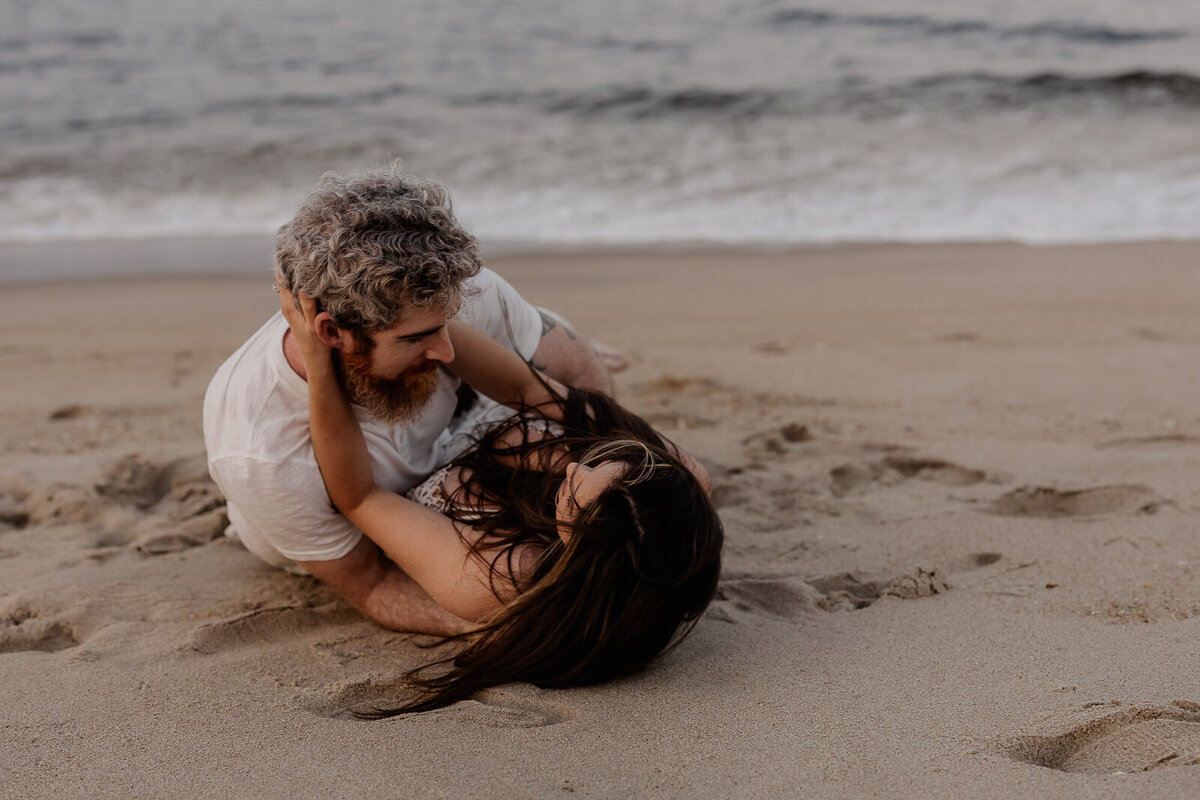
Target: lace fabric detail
[429,492]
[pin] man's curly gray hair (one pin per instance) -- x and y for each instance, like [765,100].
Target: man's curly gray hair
[366,247]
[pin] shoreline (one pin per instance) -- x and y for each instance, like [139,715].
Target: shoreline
[247,255]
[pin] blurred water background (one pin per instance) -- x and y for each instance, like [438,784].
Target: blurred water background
[613,122]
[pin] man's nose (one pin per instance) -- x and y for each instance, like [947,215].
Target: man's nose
[440,348]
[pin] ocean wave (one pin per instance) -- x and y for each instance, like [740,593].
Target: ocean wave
[88,39]
[75,40]
[929,26]
[1133,88]
[643,102]
[633,45]
[39,65]
[23,130]
[1179,86]
[306,100]
[976,91]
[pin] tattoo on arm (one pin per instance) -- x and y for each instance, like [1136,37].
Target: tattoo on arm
[575,354]
[549,323]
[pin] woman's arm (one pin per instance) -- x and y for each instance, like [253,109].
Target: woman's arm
[337,438]
[422,543]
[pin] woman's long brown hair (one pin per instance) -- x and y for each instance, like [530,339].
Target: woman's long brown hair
[639,567]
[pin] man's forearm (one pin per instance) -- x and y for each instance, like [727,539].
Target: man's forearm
[378,588]
[498,372]
[398,602]
[567,357]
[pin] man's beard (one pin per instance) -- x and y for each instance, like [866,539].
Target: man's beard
[394,401]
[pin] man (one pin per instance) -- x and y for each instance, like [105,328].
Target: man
[388,265]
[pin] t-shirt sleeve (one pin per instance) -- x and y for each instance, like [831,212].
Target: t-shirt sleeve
[284,505]
[499,310]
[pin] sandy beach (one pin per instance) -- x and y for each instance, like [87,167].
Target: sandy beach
[960,485]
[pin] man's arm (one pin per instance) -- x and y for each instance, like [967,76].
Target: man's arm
[539,335]
[496,371]
[377,588]
[570,358]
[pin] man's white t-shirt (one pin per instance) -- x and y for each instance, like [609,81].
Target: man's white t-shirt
[260,454]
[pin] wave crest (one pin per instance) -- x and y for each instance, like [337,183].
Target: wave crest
[929,26]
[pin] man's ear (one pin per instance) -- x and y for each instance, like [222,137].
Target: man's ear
[329,333]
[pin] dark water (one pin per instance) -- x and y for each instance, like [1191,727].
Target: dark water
[614,121]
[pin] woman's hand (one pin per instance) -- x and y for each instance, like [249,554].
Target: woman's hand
[303,322]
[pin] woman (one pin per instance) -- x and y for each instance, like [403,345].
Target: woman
[579,540]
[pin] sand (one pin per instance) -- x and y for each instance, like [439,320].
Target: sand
[960,486]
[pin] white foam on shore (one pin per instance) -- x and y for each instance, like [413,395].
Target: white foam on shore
[1100,208]
[1093,208]
[71,209]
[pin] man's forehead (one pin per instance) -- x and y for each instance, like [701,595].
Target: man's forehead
[416,319]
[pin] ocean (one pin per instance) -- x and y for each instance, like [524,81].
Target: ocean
[614,122]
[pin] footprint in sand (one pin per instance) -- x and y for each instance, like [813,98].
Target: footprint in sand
[513,706]
[893,469]
[1041,501]
[785,596]
[357,698]
[158,508]
[184,508]
[189,515]
[23,629]
[518,705]
[1135,740]
[268,625]
[935,469]
[788,596]
[788,494]
[845,591]
[134,480]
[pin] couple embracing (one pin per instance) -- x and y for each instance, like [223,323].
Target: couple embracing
[413,433]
